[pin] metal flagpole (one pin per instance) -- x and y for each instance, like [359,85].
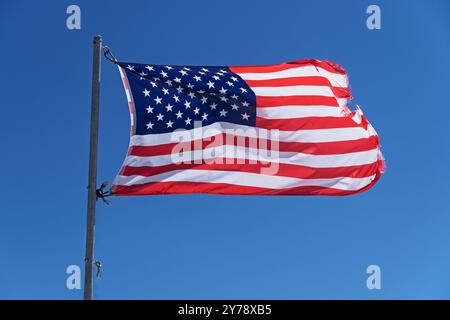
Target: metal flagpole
[93,154]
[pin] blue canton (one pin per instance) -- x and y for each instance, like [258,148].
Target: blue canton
[168,98]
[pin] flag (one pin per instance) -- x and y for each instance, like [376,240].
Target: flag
[281,129]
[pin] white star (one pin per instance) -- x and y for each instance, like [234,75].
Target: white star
[149,109]
[202,73]
[204,69]
[183,73]
[176,98]
[146,92]
[201,91]
[169,107]
[245,104]
[160,117]
[204,100]
[163,74]
[179,114]
[180,89]
[234,79]
[190,86]
[210,85]
[169,124]
[143,74]
[131,68]
[223,91]
[158,100]
[197,78]
[243,90]
[223,71]
[234,106]
[177,80]
[204,116]
[223,113]
[216,78]
[196,110]
[166,91]
[149,125]
[230,83]
[224,99]
[169,68]
[234,96]
[186,68]
[187,104]
[245,116]
[149,68]
[153,84]
[169,82]
[213,106]
[191,94]
[188,121]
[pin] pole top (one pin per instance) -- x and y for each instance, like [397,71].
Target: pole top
[97,38]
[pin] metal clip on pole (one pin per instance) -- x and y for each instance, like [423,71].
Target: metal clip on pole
[108,55]
[98,264]
[102,194]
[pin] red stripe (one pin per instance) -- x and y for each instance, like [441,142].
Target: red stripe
[279,169]
[327,65]
[125,81]
[155,188]
[296,101]
[316,148]
[340,92]
[323,148]
[308,123]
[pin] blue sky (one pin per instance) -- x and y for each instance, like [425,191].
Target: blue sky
[206,246]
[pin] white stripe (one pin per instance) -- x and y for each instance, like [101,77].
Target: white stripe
[125,79]
[290,112]
[336,80]
[316,135]
[293,91]
[126,85]
[245,179]
[341,102]
[243,153]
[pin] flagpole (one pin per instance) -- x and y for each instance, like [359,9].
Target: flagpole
[93,155]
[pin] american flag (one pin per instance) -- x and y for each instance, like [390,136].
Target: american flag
[281,129]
